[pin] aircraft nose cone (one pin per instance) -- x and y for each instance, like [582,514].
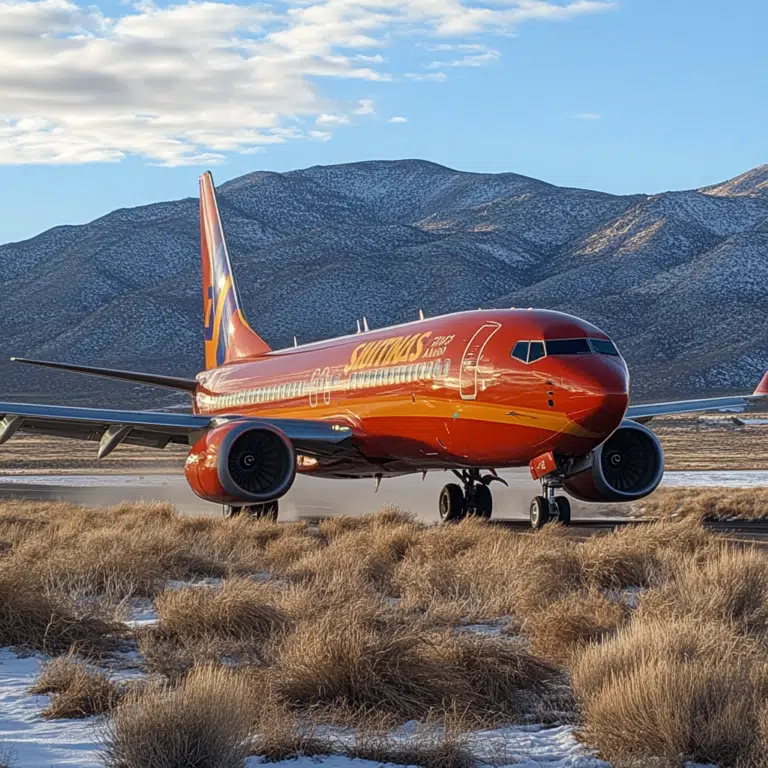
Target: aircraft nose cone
[598,395]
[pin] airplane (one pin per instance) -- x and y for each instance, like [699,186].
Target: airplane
[470,392]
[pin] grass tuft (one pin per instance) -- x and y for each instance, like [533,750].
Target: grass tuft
[204,721]
[77,690]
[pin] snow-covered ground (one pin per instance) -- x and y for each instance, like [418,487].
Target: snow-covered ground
[38,743]
[32,741]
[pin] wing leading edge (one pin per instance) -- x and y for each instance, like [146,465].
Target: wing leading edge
[647,411]
[155,429]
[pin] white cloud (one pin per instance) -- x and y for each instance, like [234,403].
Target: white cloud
[469,60]
[365,107]
[397,119]
[586,116]
[375,59]
[437,77]
[188,84]
[332,121]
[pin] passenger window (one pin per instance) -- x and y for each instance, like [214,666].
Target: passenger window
[520,351]
[446,368]
[536,351]
[335,382]
[436,370]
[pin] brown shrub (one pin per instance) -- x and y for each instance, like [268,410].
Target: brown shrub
[731,586]
[239,608]
[670,691]
[204,721]
[32,617]
[639,556]
[676,642]
[354,661]
[707,503]
[673,712]
[78,691]
[280,735]
[564,627]
[427,746]
[364,558]
[495,679]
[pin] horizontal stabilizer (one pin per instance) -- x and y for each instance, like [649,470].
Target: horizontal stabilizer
[152,379]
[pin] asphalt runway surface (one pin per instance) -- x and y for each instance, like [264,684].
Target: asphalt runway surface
[314,498]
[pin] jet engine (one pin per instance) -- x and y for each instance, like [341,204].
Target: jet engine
[627,466]
[243,462]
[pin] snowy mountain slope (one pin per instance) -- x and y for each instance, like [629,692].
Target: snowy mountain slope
[678,278]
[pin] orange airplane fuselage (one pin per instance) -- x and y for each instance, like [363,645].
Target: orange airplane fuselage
[444,392]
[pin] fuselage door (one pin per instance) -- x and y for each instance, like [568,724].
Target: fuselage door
[471,359]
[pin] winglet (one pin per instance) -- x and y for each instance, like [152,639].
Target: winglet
[228,336]
[762,387]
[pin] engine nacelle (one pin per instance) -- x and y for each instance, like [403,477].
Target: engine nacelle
[627,466]
[241,462]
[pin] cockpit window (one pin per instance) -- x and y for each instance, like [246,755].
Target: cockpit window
[568,347]
[536,351]
[520,351]
[604,347]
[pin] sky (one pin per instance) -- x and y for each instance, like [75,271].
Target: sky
[120,103]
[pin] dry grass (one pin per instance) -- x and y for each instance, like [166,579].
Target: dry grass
[33,618]
[672,690]
[240,609]
[707,503]
[362,621]
[205,721]
[640,556]
[731,586]
[77,689]
[563,628]
[663,691]
[363,661]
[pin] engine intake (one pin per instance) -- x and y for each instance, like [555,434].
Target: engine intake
[627,466]
[243,462]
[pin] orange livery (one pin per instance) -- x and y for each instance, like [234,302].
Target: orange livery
[471,392]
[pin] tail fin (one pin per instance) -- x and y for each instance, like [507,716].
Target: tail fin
[227,334]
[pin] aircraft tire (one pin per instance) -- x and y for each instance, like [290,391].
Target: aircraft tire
[563,510]
[230,512]
[483,506]
[266,511]
[452,506]
[539,512]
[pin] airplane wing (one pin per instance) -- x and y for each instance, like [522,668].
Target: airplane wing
[645,412]
[155,429]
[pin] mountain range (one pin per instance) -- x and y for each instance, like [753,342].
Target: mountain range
[678,279]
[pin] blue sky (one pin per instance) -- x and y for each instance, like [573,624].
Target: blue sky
[111,105]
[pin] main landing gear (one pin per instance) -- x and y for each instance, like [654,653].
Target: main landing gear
[266,511]
[548,506]
[473,497]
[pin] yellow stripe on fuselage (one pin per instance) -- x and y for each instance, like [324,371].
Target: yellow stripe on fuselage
[386,406]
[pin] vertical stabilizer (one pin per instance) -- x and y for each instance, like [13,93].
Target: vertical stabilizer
[228,336]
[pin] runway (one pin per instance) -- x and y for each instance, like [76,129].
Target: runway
[313,499]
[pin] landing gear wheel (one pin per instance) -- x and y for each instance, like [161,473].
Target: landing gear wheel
[266,511]
[451,503]
[563,510]
[539,512]
[230,512]
[483,502]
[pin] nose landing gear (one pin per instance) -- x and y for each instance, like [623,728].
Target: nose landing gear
[473,497]
[544,508]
